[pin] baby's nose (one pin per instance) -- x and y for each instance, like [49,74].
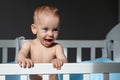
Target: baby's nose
[50,33]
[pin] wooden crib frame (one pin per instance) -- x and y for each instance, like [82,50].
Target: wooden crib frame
[68,68]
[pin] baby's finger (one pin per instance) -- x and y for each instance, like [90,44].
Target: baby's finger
[20,63]
[23,64]
[54,62]
[32,64]
[60,63]
[29,63]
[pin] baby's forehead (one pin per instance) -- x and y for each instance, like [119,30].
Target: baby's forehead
[44,15]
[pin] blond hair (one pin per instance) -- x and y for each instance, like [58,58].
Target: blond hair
[47,9]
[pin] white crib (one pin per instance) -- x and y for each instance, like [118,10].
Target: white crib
[110,48]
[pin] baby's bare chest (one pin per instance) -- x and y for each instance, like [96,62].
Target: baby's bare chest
[42,55]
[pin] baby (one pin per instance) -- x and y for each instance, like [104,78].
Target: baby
[43,49]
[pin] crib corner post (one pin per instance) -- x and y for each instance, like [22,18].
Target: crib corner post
[116,48]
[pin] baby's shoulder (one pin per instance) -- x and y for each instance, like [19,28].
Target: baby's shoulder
[57,45]
[27,42]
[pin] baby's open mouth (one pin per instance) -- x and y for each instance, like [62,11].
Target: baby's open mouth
[49,40]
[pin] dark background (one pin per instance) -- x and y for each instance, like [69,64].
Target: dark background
[80,19]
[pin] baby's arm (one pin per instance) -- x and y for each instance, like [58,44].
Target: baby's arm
[60,57]
[22,57]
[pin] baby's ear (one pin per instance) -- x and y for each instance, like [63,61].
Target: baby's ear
[34,28]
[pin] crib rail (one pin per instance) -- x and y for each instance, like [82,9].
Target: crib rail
[67,68]
[4,45]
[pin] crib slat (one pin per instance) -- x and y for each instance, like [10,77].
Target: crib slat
[106,76]
[79,54]
[66,77]
[92,53]
[86,77]
[23,77]
[4,55]
[2,77]
[65,51]
[104,52]
[45,77]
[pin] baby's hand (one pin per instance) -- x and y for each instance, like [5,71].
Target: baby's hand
[57,63]
[26,63]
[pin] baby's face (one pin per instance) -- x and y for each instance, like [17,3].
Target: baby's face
[47,29]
